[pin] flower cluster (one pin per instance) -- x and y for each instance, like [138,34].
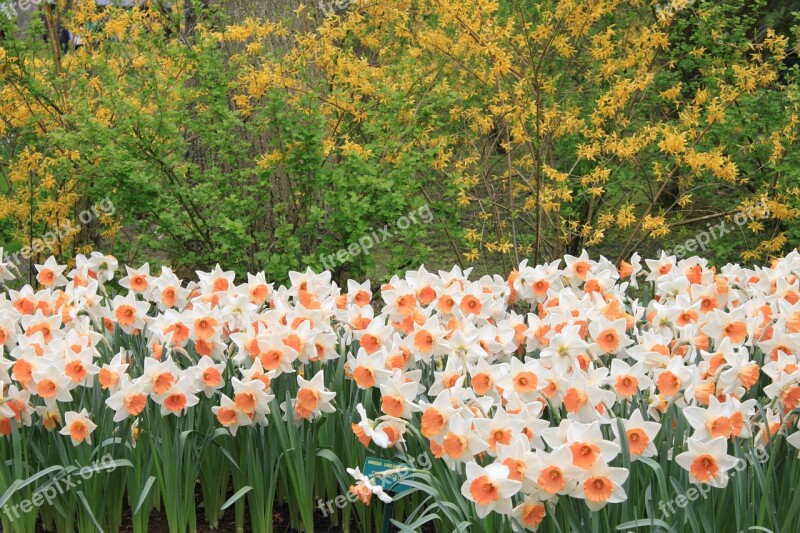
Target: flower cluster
[534,387]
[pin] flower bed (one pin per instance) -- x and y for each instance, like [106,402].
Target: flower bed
[571,395]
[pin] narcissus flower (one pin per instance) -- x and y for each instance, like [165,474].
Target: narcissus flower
[707,462]
[312,399]
[708,423]
[640,435]
[110,374]
[51,274]
[102,267]
[130,399]
[209,376]
[735,326]
[51,384]
[530,513]
[129,313]
[252,397]
[460,442]
[397,398]
[601,485]
[368,369]
[365,488]
[479,381]
[78,426]
[178,397]
[490,488]
[6,267]
[587,445]
[230,416]
[553,472]
[138,280]
[609,335]
[436,415]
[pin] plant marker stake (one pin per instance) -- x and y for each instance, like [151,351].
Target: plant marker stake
[393,483]
[387,516]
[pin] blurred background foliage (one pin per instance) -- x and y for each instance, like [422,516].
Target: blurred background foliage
[267,135]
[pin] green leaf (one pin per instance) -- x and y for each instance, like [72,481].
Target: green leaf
[239,493]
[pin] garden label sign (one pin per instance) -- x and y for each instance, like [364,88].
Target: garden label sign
[373,466]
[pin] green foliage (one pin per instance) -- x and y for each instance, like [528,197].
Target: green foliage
[161,127]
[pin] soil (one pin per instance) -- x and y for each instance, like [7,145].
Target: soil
[158,523]
[281,522]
